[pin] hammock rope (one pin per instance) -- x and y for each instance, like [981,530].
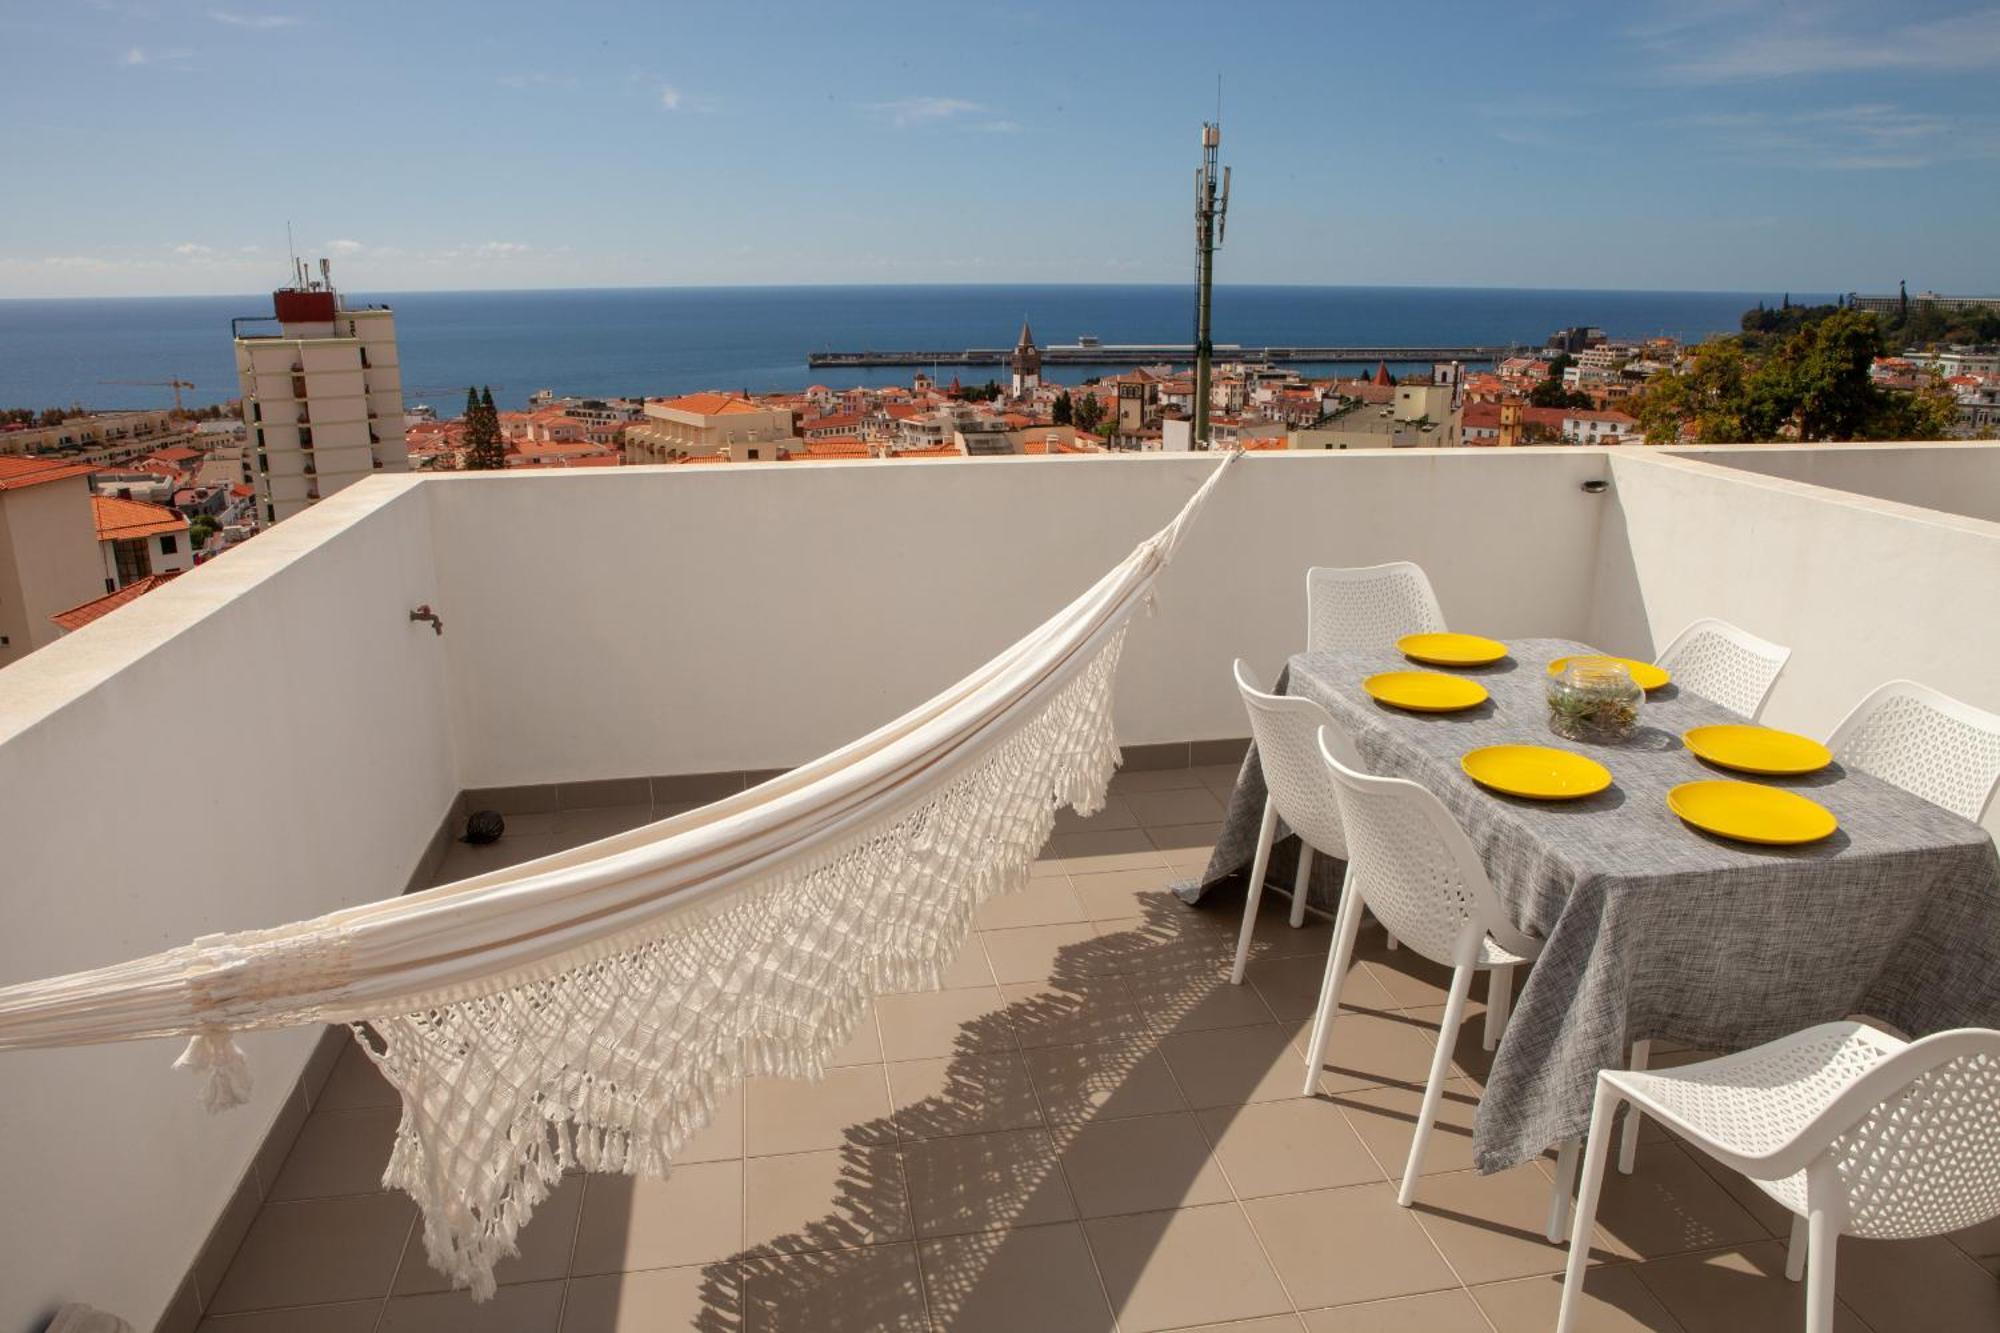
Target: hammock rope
[587,1009]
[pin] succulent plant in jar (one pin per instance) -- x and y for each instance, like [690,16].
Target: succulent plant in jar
[1594,699]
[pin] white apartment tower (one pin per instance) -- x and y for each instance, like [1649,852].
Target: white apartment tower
[322,397]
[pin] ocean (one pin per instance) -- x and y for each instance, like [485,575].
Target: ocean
[660,340]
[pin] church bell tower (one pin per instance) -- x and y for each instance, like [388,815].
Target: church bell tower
[1026,363]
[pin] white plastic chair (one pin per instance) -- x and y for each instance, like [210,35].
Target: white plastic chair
[1725,665]
[1857,1132]
[1369,607]
[1299,791]
[1413,866]
[1926,742]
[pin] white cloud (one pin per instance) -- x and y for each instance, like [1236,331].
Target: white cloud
[1863,136]
[343,246]
[1805,41]
[139,55]
[502,249]
[193,250]
[236,19]
[537,79]
[670,97]
[909,111]
[84,263]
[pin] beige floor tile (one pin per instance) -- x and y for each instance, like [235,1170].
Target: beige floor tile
[338,1152]
[837,1200]
[876,1290]
[1043,902]
[317,1251]
[355,1084]
[863,1045]
[1432,1312]
[1116,814]
[1187,846]
[1289,1146]
[463,860]
[1339,1247]
[798,1115]
[1149,1164]
[1091,852]
[694,1216]
[982,1182]
[1123,895]
[573,828]
[1492,1228]
[722,1139]
[967,970]
[1614,1301]
[1729,1291]
[1235,1066]
[1072,1011]
[929,1024]
[1386,1119]
[1290,986]
[1103,1081]
[533,1307]
[703,1299]
[1036,953]
[1411,980]
[1219,778]
[1774,1217]
[962,1094]
[1198,1000]
[1915,1286]
[1160,946]
[347,1317]
[1277,1323]
[1186,805]
[1368,1049]
[1195,1265]
[1669,1205]
[544,1243]
[1982,1241]
[1029,1278]
[1127,781]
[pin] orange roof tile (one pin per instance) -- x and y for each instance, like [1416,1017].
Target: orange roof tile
[118,520]
[710,404]
[79,616]
[19,473]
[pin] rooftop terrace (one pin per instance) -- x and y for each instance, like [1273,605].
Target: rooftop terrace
[1087,1128]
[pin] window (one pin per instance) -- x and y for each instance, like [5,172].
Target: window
[133,562]
[169,545]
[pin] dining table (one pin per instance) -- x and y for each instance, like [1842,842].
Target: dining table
[1651,928]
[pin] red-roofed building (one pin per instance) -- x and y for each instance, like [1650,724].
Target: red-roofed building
[135,539]
[78,616]
[48,549]
[721,424]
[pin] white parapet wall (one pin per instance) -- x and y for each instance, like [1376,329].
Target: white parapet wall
[265,739]
[1953,476]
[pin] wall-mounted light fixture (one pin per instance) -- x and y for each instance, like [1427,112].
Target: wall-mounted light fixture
[1595,486]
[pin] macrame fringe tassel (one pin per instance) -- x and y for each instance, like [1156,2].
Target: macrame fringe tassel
[213,1056]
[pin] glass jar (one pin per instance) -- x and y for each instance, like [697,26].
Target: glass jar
[1594,699]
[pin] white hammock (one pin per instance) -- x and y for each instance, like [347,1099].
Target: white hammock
[587,1008]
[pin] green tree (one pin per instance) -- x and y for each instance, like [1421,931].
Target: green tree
[1551,392]
[485,451]
[1087,412]
[1062,412]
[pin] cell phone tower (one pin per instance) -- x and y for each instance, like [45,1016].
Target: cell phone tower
[1211,215]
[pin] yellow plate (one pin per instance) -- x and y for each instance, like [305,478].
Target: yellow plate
[1425,691]
[1451,649]
[1750,813]
[1650,677]
[1757,749]
[1536,771]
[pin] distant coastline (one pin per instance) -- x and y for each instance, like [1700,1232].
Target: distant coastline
[662,340]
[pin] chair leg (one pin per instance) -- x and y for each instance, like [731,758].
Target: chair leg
[1499,998]
[1795,1249]
[1393,946]
[1337,961]
[1628,1146]
[1258,864]
[1586,1203]
[1565,1184]
[1821,1238]
[1302,884]
[1454,1014]
[1347,904]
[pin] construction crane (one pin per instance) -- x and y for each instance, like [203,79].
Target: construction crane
[175,385]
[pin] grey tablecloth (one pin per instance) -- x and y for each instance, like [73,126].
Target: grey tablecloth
[1653,929]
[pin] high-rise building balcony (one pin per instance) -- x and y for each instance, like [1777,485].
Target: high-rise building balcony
[1051,1141]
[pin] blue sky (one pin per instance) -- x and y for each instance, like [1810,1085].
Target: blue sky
[157,147]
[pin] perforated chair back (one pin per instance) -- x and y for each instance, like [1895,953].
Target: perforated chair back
[1286,731]
[1725,665]
[1419,872]
[1369,607]
[1927,743]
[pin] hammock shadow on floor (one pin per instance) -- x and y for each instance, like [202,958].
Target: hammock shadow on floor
[1057,1113]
